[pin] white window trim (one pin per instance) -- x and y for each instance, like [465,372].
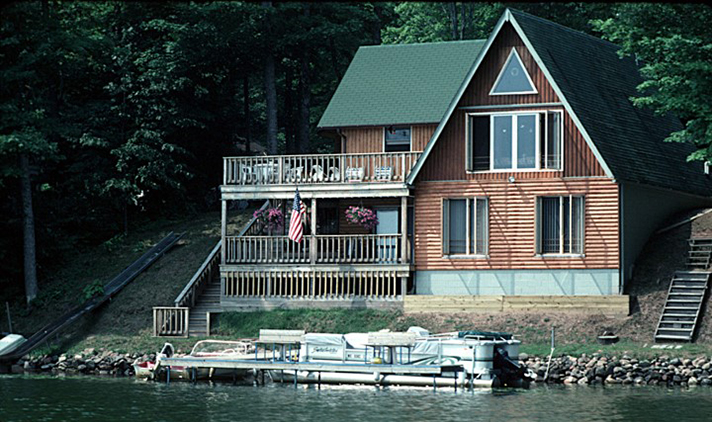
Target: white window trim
[537,226]
[515,142]
[561,141]
[444,238]
[383,133]
[513,53]
[468,141]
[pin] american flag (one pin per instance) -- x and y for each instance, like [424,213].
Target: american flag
[296,232]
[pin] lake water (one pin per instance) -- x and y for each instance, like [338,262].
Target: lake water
[45,398]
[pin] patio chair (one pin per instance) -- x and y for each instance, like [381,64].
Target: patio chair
[293,174]
[317,173]
[334,174]
[246,174]
[383,173]
[354,174]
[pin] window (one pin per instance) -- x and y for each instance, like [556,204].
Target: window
[515,141]
[465,226]
[550,138]
[560,224]
[397,138]
[513,78]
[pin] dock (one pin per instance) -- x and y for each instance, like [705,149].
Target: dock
[285,363]
[307,366]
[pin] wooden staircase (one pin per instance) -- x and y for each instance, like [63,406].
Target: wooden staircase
[684,302]
[700,253]
[208,302]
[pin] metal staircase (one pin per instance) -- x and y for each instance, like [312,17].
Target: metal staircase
[686,295]
[682,307]
[700,253]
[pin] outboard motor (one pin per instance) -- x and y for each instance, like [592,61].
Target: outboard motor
[512,374]
[167,351]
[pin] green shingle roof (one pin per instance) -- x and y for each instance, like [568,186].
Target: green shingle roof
[400,84]
[598,84]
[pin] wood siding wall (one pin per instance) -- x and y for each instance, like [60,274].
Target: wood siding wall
[447,160]
[370,139]
[512,224]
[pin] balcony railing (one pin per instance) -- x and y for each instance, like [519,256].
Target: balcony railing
[319,168]
[321,249]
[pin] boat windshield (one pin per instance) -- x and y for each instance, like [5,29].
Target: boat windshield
[221,348]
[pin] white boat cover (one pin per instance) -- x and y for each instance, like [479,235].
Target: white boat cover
[419,331]
[10,342]
[356,340]
[324,339]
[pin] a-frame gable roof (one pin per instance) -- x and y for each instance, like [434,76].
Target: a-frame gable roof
[598,86]
[595,85]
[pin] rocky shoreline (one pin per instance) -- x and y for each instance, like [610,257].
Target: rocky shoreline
[89,362]
[597,369]
[569,370]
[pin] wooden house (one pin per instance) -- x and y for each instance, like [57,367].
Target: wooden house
[509,167]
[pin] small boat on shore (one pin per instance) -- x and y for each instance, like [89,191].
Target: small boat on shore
[10,343]
[204,349]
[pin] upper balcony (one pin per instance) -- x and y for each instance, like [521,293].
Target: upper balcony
[331,175]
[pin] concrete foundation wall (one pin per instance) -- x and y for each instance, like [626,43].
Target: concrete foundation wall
[518,282]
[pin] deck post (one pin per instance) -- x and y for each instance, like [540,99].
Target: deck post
[223,233]
[313,245]
[404,229]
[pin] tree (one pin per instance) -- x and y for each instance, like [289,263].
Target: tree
[30,89]
[449,21]
[674,44]
[270,81]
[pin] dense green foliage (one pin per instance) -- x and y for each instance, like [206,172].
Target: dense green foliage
[674,43]
[124,110]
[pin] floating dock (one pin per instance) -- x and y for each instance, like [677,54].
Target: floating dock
[311,372]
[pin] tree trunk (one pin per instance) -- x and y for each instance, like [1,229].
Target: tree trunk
[304,104]
[28,228]
[304,95]
[270,87]
[246,105]
[452,10]
[463,20]
[289,110]
[376,27]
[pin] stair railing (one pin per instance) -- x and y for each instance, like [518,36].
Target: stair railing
[200,279]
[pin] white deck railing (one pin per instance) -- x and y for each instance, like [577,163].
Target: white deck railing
[329,249]
[359,249]
[171,321]
[319,168]
[317,284]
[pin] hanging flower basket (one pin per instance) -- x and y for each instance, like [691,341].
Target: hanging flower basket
[271,219]
[362,216]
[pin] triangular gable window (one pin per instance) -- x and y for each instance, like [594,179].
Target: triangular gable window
[513,79]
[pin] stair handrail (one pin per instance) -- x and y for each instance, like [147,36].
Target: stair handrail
[209,266]
[203,273]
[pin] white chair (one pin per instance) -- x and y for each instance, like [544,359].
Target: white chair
[383,173]
[354,174]
[293,174]
[317,173]
[246,174]
[334,174]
